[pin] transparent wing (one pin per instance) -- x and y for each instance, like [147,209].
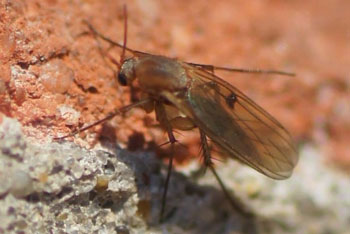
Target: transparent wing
[236,124]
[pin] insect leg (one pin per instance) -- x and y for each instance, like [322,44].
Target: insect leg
[242,70]
[233,199]
[124,109]
[165,123]
[172,140]
[207,67]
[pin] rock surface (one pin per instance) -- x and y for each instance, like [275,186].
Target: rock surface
[63,188]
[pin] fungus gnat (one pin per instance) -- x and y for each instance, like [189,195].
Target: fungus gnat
[185,96]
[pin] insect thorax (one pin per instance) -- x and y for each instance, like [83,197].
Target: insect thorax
[157,73]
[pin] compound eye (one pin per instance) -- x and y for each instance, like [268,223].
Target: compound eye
[122,79]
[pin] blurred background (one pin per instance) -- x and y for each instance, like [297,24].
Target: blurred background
[309,38]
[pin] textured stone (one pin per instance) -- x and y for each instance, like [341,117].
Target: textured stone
[61,187]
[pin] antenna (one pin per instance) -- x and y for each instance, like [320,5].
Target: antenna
[113,43]
[125,35]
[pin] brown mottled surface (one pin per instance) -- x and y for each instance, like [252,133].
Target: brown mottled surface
[53,78]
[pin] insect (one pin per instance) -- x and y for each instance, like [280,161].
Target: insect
[185,96]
